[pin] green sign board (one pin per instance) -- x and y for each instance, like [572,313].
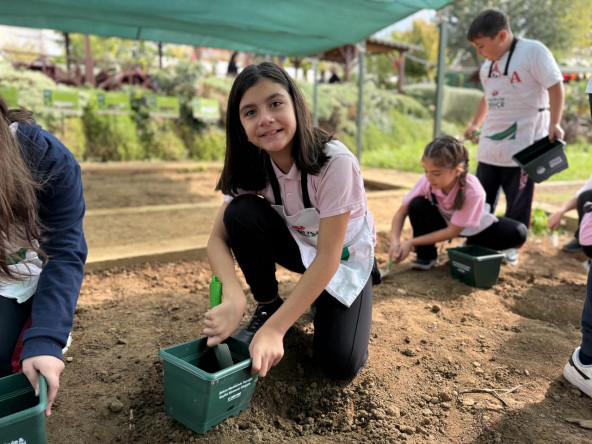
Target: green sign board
[206,109]
[113,103]
[61,101]
[162,106]
[10,96]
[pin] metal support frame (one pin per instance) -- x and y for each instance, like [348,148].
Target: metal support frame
[440,79]
[361,59]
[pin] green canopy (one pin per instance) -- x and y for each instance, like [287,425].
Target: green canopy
[285,27]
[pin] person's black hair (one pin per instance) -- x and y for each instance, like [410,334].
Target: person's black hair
[448,152]
[488,24]
[244,163]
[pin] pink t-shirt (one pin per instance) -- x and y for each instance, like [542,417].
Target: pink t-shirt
[337,189]
[585,237]
[467,216]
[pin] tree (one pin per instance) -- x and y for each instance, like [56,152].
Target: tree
[559,24]
[124,53]
[380,68]
[422,63]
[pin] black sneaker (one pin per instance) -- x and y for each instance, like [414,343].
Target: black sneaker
[573,246]
[262,314]
[424,264]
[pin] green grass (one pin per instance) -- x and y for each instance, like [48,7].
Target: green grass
[384,152]
[580,163]
[553,197]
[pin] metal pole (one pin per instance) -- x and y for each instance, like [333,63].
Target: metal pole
[440,81]
[160,55]
[315,97]
[361,53]
[90,77]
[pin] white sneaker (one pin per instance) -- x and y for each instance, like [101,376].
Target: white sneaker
[578,374]
[586,265]
[510,256]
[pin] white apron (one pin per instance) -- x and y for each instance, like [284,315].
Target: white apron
[357,258]
[511,124]
[487,219]
[27,266]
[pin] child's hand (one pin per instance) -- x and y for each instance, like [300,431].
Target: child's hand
[554,220]
[403,251]
[51,368]
[472,133]
[394,247]
[267,349]
[221,321]
[555,132]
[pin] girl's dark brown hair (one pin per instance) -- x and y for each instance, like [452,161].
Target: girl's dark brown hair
[448,152]
[19,217]
[244,163]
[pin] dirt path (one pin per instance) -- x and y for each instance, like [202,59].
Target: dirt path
[436,345]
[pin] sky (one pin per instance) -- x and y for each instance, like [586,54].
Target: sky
[406,24]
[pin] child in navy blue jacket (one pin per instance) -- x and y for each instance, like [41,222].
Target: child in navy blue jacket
[42,248]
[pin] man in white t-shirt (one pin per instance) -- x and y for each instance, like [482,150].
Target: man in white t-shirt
[522,102]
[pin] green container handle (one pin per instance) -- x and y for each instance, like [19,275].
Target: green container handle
[221,351]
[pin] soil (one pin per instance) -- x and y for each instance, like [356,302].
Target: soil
[448,362]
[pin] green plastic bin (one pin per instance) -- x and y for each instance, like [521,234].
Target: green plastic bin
[474,265]
[542,159]
[22,414]
[196,392]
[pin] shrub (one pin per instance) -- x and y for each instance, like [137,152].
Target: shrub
[458,104]
[73,136]
[109,137]
[209,144]
[538,222]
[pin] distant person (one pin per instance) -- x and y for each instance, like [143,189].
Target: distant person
[445,203]
[232,67]
[582,196]
[522,102]
[334,77]
[43,248]
[293,196]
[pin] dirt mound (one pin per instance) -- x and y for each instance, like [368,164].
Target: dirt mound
[449,363]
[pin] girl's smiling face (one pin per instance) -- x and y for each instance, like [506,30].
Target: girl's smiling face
[439,177]
[268,118]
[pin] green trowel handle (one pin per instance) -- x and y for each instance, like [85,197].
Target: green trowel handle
[221,351]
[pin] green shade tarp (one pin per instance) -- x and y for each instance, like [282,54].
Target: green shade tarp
[284,27]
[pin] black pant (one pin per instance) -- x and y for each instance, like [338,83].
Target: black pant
[13,317]
[517,186]
[584,197]
[425,218]
[259,239]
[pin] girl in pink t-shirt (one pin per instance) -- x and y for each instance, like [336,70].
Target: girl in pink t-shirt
[294,196]
[449,202]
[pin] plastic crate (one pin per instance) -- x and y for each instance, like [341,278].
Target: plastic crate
[474,265]
[22,414]
[196,392]
[542,159]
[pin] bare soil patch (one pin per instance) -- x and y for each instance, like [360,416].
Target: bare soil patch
[449,363]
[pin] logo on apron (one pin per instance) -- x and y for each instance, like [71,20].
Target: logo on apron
[508,134]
